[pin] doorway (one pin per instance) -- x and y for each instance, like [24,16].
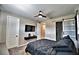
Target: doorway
[42,31]
[58,30]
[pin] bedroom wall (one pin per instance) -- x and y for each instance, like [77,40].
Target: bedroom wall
[50,30]
[49,22]
[22,32]
[3,47]
[2,27]
[23,22]
[38,31]
[78,28]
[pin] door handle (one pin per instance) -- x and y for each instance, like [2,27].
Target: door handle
[16,35]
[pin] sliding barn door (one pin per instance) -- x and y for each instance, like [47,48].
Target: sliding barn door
[12,33]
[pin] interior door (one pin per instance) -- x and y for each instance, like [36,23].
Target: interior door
[42,31]
[58,30]
[12,33]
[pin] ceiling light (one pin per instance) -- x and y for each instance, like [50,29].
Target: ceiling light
[40,15]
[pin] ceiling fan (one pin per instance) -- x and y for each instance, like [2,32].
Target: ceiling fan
[40,15]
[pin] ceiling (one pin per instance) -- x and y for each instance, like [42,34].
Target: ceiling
[30,10]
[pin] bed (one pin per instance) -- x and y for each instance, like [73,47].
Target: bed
[65,46]
[40,47]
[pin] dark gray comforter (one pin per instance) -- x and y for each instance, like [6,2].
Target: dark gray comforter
[65,46]
[41,47]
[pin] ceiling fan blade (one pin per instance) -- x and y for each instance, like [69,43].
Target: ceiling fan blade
[36,16]
[43,16]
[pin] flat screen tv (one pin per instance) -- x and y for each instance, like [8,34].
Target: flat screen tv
[29,28]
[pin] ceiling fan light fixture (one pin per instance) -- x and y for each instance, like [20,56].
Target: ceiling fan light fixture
[40,16]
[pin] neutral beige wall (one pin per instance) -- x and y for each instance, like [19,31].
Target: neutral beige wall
[56,20]
[0,26]
[23,22]
[3,21]
[38,31]
[3,47]
[3,27]
[22,32]
[50,30]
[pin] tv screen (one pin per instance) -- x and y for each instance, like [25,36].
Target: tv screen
[29,28]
